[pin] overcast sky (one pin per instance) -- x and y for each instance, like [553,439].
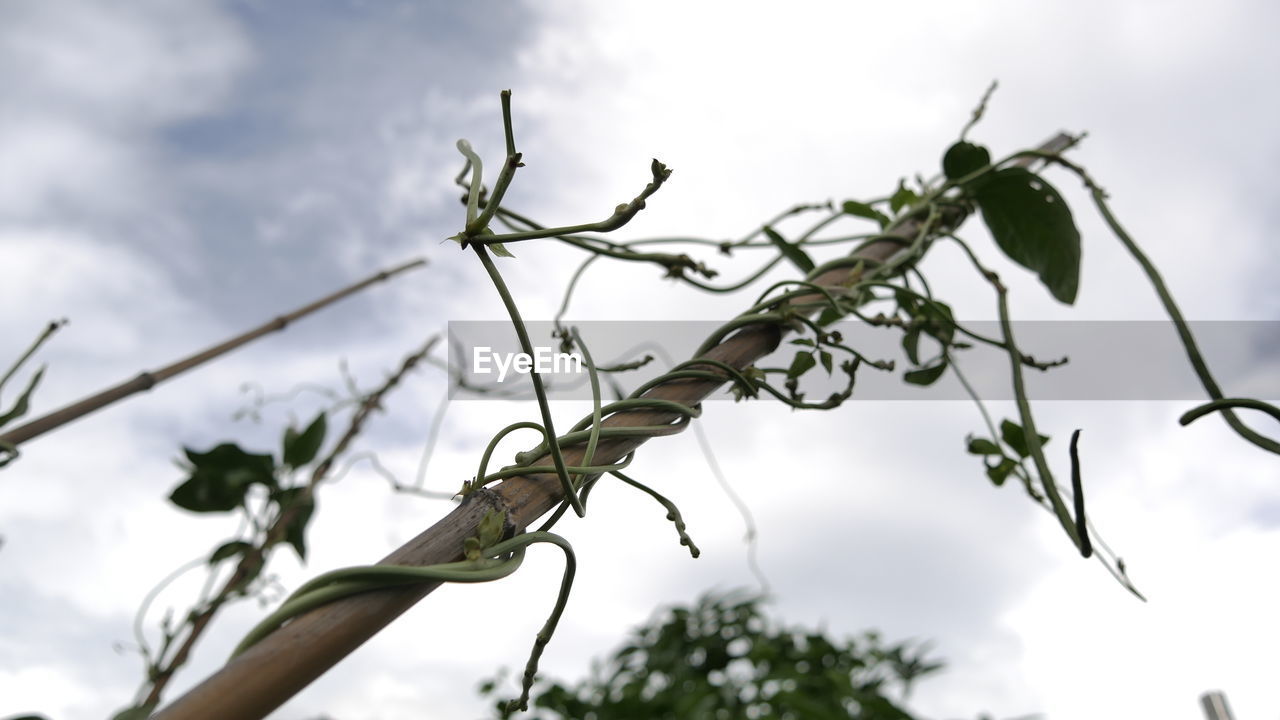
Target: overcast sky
[176,172]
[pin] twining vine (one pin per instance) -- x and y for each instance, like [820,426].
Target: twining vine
[1029,220]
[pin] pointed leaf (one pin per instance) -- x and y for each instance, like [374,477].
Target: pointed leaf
[983,446]
[902,197]
[500,250]
[296,531]
[204,493]
[8,453]
[911,345]
[826,359]
[1000,472]
[828,316]
[863,210]
[793,252]
[941,326]
[1013,436]
[228,550]
[926,376]
[24,400]
[1033,226]
[802,363]
[301,448]
[220,478]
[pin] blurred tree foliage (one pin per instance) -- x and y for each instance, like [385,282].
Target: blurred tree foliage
[722,658]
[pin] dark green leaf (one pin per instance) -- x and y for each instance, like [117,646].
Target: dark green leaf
[926,376]
[296,531]
[1013,435]
[1000,472]
[204,493]
[983,446]
[859,209]
[301,448]
[24,400]
[786,673]
[828,316]
[906,301]
[802,363]
[911,345]
[221,477]
[229,457]
[793,252]
[1033,226]
[826,359]
[964,158]
[941,324]
[902,197]
[8,453]
[229,549]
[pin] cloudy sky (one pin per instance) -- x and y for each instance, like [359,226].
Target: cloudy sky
[176,172]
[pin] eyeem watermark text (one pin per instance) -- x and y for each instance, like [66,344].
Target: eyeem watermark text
[543,361]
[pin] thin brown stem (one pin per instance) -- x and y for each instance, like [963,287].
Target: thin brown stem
[148,379]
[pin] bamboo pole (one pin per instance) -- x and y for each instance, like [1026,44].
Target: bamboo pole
[148,379]
[269,673]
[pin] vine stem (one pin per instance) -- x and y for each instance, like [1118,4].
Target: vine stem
[272,671]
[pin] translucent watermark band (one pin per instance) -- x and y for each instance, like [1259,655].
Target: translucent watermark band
[1105,360]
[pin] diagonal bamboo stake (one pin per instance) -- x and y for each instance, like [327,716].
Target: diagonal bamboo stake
[279,666]
[148,379]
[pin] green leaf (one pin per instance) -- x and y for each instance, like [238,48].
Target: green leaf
[229,457]
[8,453]
[911,345]
[203,494]
[301,448]
[983,446]
[926,376]
[802,363]
[221,477]
[1000,472]
[859,209]
[500,250]
[828,316]
[941,325]
[1013,436]
[1033,226]
[24,400]
[826,359]
[296,532]
[793,252]
[228,550]
[902,197]
[964,158]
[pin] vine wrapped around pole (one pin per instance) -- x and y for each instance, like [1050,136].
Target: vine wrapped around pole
[270,672]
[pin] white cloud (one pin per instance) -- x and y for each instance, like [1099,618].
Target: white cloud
[756,110]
